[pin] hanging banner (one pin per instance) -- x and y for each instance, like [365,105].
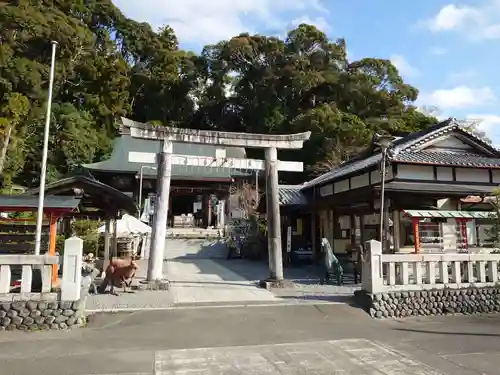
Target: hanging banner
[149,208]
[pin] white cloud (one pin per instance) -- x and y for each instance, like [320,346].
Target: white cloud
[476,22]
[450,17]
[462,77]
[320,22]
[486,122]
[203,22]
[403,66]
[489,124]
[460,97]
[438,51]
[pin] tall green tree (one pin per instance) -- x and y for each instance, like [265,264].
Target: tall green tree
[107,66]
[12,115]
[305,83]
[110,66]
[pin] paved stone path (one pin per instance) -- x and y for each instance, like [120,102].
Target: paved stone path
[143,299]
[346,357]
[356,357]
[193,282]
[206,281]
[305,279]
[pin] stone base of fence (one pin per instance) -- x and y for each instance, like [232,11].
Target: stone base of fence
[46,308]
[430,302]
[41,315]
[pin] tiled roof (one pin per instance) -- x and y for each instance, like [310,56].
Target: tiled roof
[445,214]
[90,186]
[445,158]
[345,169]
[291,195]
[119,159]
[406,146]
[31,201]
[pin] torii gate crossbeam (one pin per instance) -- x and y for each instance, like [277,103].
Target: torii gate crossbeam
[215,162]
[270,142]
[250,140]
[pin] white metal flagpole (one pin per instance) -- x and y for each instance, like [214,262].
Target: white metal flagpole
[43,172]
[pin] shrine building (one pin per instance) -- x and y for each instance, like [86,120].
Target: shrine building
[196,190]
[437,185]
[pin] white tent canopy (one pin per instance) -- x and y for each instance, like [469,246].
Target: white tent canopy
[128,225]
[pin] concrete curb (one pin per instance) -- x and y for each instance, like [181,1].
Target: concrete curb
[215,306]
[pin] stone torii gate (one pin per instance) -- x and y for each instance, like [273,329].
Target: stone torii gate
[270,142]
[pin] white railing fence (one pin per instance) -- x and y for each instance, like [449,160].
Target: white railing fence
[28,265]
[18,273]
[409,272]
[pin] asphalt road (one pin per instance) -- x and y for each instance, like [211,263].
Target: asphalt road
[300,339]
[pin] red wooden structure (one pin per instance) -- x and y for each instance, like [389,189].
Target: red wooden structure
[54,208]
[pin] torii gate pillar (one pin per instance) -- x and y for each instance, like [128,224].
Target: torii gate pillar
[273,216]
[159,232]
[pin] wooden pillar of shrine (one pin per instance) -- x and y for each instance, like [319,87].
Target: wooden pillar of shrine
[52,243]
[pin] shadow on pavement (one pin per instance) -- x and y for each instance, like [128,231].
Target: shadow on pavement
[324,298]
[235,283]
[258,270]
[447,333]
[212,266]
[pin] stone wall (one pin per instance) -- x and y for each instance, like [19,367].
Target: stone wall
[41,315]
[431,302]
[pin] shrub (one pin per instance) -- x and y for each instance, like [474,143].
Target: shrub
[87,231]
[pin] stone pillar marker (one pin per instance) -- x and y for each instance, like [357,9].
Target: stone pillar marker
[71,283]
[371,276]
[221,211]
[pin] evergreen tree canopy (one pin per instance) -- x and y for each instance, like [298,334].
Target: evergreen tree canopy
[110,66]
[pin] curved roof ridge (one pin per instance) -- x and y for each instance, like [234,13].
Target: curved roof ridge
[367,159]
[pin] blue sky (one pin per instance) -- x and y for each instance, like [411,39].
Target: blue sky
[448,50]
